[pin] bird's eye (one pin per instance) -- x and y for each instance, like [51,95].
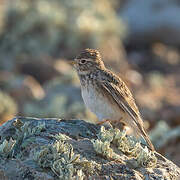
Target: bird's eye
[83,61]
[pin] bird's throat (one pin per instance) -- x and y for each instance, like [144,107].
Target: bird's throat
[85,72]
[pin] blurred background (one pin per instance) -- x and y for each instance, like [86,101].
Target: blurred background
[138,39]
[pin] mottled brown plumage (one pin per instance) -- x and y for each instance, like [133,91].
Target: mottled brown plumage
[105,94]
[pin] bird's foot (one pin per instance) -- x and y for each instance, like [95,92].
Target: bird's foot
[109,120]
[104,121]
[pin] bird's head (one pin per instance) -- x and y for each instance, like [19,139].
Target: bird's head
[88,61]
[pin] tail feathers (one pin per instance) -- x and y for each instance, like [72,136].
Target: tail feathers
[138,128]
[146,137]
[143,133]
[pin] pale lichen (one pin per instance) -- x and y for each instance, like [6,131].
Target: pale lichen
[80,175]
[28,131]
[126,144]
[6,147]
[51,156]
[103,148]
[87,166]
[146,158]
[106,135]
[59,157]
[102,144]
[24,135]
[62,160]
[24,130]
[60,136]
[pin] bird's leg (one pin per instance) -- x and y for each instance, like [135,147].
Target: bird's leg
[109,120]
[119,124]
[104,121]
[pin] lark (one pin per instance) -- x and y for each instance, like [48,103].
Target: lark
[106,95]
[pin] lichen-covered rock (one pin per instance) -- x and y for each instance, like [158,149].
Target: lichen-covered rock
[32,148]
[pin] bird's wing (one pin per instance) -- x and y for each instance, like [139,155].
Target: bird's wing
[117,89]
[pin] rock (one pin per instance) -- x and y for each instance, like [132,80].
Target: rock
[32,148]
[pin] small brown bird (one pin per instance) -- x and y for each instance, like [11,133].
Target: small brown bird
[106,95]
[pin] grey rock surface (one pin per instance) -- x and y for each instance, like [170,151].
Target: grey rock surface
[47,148]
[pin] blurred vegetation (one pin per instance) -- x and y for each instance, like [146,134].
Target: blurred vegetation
[56,28]
[36,33]
[8,107]
[38,37]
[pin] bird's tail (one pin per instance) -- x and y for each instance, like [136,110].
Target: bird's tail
[146,137]
[144,134]
[137,124]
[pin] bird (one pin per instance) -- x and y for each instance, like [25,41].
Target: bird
[106,94]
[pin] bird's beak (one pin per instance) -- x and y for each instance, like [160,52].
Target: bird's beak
[73,62]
